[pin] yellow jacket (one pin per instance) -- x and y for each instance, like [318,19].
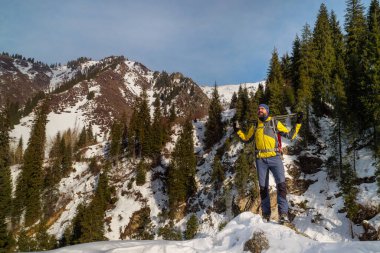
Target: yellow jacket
[265,136]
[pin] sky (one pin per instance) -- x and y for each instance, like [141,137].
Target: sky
[214,41]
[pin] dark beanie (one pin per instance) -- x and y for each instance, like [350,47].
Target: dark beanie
[265,106]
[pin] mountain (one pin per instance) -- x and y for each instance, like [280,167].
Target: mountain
[95,93]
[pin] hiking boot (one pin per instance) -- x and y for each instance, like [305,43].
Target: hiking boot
[266,217]
[284,218]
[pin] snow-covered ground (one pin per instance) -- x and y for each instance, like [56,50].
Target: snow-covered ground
[328,229]
[231,239]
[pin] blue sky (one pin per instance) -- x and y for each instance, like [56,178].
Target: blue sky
[228,42]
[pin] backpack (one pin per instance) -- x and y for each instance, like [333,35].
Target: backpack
[279,141]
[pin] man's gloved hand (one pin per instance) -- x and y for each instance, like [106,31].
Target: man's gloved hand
[236,126]
[299,117]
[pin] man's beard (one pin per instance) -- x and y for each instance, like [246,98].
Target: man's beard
[262,116]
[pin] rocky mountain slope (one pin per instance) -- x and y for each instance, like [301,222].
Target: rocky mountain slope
[102,90]
[87,92]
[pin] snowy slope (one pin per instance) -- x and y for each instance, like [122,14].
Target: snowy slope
[322,198]
[226,91]
[231,239]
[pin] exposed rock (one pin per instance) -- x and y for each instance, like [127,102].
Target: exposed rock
[370,233]
[309,164]
[257,243]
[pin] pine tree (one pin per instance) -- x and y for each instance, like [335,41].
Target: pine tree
[214,125]
[259,95]
[242,173]
[286,69]
[88,223]
[371,83]
[5,173]
[67,159]
[307,69]
[7,242]
[275,84]
[5,183]
[172,113]
[181,181]
[25,243]
[217,175]
[339,99]
[82,139]
[140,134]
[133,140]
[43,240]
[295,64]
[18,154]
[242,107]
[324,60]
[145,125]
[191,227]
[355,26]
[158,138]
[141,173]
[233,101]
[116,135]
[241,104]
[30,182]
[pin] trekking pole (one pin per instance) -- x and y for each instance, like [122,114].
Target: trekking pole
[285,116]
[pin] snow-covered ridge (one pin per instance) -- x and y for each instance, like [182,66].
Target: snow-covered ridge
[226,91]
[231,239]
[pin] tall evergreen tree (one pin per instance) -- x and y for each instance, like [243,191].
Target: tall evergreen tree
[19,152]
[355,26]
[140,129]
[158,138]
[371,82]
[233,101]
[259,94]
[324,60]
[214,125]
[286,69]
[295,63]
[5,183]
[116,135]
[275,85]
[93,222]
[191,227]
[339,99]
[5,173]
[217,175]
[30,182]
[242,173]
[145,125]
[307,69]
[242,107]
[181,174]
[88,223]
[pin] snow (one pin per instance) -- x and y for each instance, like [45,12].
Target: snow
[226,91]
[366,164]
[231,239]
[76,188]
[26,70]
[22,130]
[322,221]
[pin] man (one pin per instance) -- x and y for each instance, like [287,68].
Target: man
[268,158]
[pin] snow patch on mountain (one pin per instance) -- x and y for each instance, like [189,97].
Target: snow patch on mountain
[226,91]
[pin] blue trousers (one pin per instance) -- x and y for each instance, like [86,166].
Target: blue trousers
[273,164]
